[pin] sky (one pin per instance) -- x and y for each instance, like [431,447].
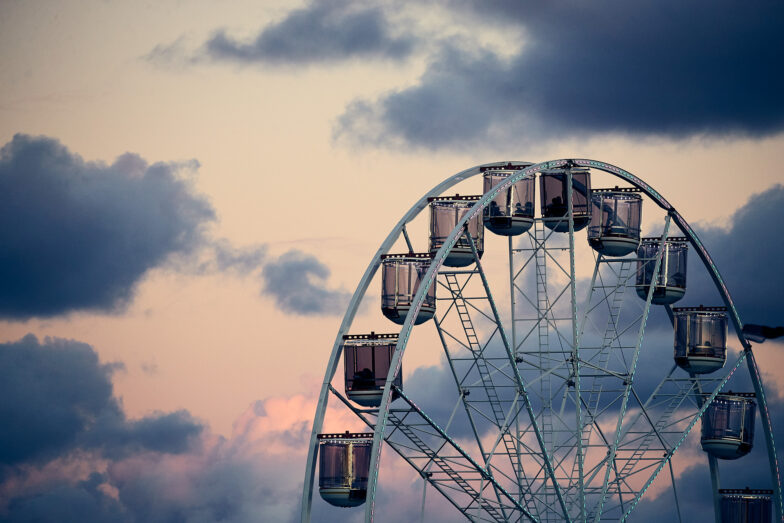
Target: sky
[190,192]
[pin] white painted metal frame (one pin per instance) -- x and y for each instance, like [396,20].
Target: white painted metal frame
[384,414]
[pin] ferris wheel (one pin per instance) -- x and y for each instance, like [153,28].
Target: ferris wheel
[564,407]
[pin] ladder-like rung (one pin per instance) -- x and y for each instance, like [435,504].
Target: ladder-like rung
[447,469]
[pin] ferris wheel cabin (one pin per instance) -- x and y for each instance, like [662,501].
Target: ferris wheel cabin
[511,212]
[344,464]
[401,275]
[728,425]
[670,285]
[700,338]
[555,203]
[445,213]
[615,221]
[366,362]
[746,505]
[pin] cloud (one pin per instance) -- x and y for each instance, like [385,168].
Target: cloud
[745,251]
[170,55]
[50,394]
[454,103]
[296,281]
[239,259]
[643,69]
[80,235]
[322,31]
[254,474]
[80,501]
[220,255]
[56,398]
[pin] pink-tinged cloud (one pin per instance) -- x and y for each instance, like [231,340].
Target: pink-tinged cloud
[162,466]
[255,474]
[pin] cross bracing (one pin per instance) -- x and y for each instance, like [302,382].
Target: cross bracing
[511,465]
[552,419]
[610,326]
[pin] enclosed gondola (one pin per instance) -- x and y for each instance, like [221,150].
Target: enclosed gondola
[700,338]
[728,425]
[511,212]
[401,275]
[555,199]
[615,221]
[344,464]
[445,213]
[746,505]
[670,285]
[366,362]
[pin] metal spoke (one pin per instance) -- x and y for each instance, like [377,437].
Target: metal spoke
[554,422]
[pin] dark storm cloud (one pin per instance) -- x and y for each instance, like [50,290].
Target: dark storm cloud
[56,397]
[60,417]
[80,501]
[80,235]
[171,432]
[322,31]
[646,68]
[49,395]
[747,252]
[297,283]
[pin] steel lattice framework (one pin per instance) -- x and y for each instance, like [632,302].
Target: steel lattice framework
[563,425]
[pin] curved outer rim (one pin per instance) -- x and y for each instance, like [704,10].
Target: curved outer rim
[528,170]
[348,318]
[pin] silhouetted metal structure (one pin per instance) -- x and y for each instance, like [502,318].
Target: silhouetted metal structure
[553,416]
